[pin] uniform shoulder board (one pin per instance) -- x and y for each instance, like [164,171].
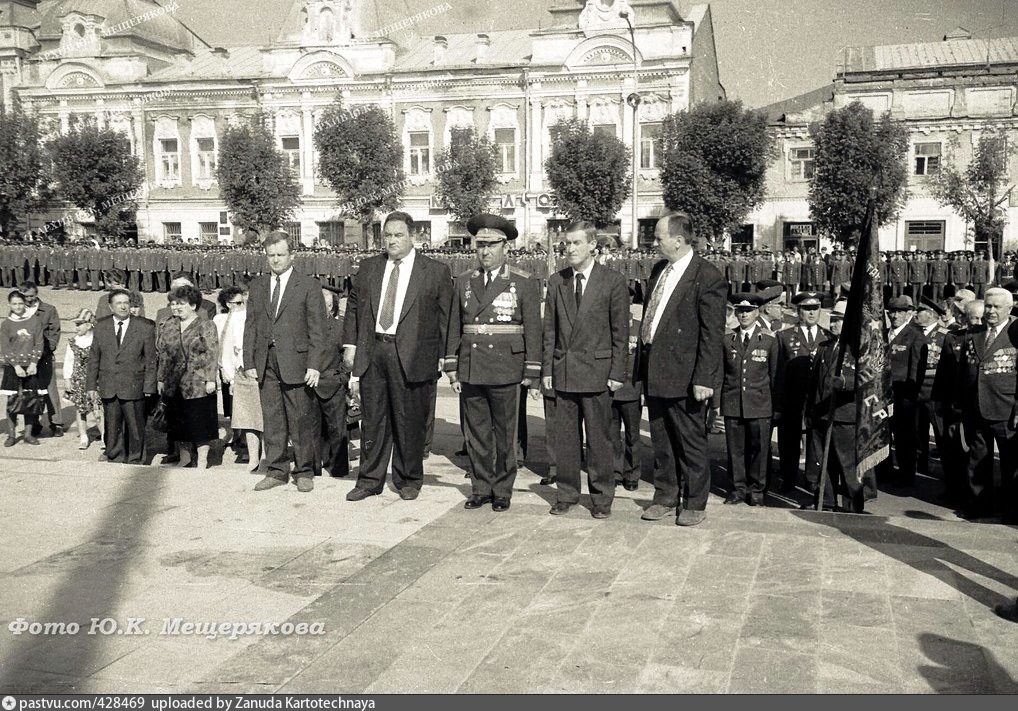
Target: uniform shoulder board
[520,273]
[766,331]
[466,274]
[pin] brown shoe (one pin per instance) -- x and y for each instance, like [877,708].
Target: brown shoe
[688,517]
[305,484]
[269,482]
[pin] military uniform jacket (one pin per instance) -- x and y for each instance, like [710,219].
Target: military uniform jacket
[841,271]
[750,375]
[961,272]
[948,371]
[938,271]
[989,375]
[791,272]
[907,356]
[934,352]
[817,272]
[737,270]
[822,395]
[980,271]
[795,360]
[495,333]
[917,271]
[899,271]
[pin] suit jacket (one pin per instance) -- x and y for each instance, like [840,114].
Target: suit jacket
[297,329]
[514,301]
[333,375]
[51,327]
[585,349]
[687,347]
[988,375]
[908,353]
[127,372]
[750,375]
[422,323]
[102,307]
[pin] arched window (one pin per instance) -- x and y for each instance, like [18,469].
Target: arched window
[326,25]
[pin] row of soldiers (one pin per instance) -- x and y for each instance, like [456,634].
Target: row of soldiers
[84,265]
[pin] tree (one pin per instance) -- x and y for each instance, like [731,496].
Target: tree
[855,154]
[256,182]
[714,165]
[978,193]
[361,159]
[589,172]
[22,166]
[95,170]
[466,174]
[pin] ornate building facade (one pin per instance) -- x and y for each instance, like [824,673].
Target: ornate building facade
[946,93]
[172,94]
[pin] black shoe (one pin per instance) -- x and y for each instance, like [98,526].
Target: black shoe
[10,441]
[547,480]
[476,502]
[30,439]
[630,485]
[786,487]
[756,500]
[601,512]
[735,498]
[500,505]
[359,494]
[170,459]
[242,458]
[36,430]
[56,430]
[559,508]
[408,493]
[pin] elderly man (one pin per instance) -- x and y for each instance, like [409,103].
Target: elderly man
[494,345]
[989,367]
[908,355]
[953,453]
[928,413]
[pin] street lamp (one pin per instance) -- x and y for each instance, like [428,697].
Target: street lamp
[634,101]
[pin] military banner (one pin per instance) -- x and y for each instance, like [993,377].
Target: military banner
[863,337]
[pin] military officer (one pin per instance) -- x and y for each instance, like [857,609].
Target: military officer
[746,400]
[797,349]
[898,269]
[791,275]
[737,271]
[841,271]
[907,358]
[929,413]
[494,345]
[917,274]
[939,269]
[980,273]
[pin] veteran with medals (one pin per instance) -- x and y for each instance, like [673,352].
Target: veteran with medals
[494,345]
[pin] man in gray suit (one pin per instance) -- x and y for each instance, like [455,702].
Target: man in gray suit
[586,340]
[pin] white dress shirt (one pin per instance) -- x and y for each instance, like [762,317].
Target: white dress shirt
[586,277]
[284,279]
[894,332]
[406,266]
[810,332]
[678,269]
[743,332]
[127,325]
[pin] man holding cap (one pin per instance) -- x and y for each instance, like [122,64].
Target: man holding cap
[907,358]
[751,363]
[493,346]
[797,349]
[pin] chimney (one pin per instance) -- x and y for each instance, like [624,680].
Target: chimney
[441,45]
[483,44]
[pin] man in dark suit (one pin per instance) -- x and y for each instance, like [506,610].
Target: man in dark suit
[494,346]
[627,408]
[989,368]
[122,369]
[751,365]
[586,336]
[681,365]
[397,316]
[51,330]
[284,347]
[797,350]
[908,352]
[330,393]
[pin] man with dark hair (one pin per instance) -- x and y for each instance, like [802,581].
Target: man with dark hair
[51,329]
[284,347]
[681,365]
[397,318]
[586,337]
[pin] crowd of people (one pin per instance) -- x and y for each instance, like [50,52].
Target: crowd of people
[289,359]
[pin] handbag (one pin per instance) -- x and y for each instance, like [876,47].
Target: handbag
[158,419]
[26,402]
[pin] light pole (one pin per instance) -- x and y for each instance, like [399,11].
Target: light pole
[634,101]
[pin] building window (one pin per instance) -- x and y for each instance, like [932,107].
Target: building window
[331,232]
[801,162]
[224,218]
[420,153]
[172,232]
[206,158]
[927,158]
[650,145]
[421,233]
[742,237]
[801,236]
[291,148]
[924,235]
[293,230]
[505,149]
[458,235]
[647,225]
[604,129]
[209,232]
[169,160]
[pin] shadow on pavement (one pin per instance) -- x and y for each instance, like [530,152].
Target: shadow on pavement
[963,667]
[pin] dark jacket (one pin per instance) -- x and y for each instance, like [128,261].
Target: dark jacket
[988,375]
[907,356]
[795,361]
[127,372]
[750,375]
[333,377]
[822,396]
[189,359]
[512,304]
[422,324]
[584,350]
[687,347]
[297,329]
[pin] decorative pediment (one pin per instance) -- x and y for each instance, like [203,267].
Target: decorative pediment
[603,50]
[74,76]
[321,66]
[654,107]
[324,70]
[78,80]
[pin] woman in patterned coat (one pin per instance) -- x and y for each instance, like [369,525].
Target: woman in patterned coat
[188,348]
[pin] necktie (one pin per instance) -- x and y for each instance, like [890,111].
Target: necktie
[387,314]
[579,289]
[991,336]
[120,333]
[275,297]
[488,278]
[810,338]
[655,300]
[745,339]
